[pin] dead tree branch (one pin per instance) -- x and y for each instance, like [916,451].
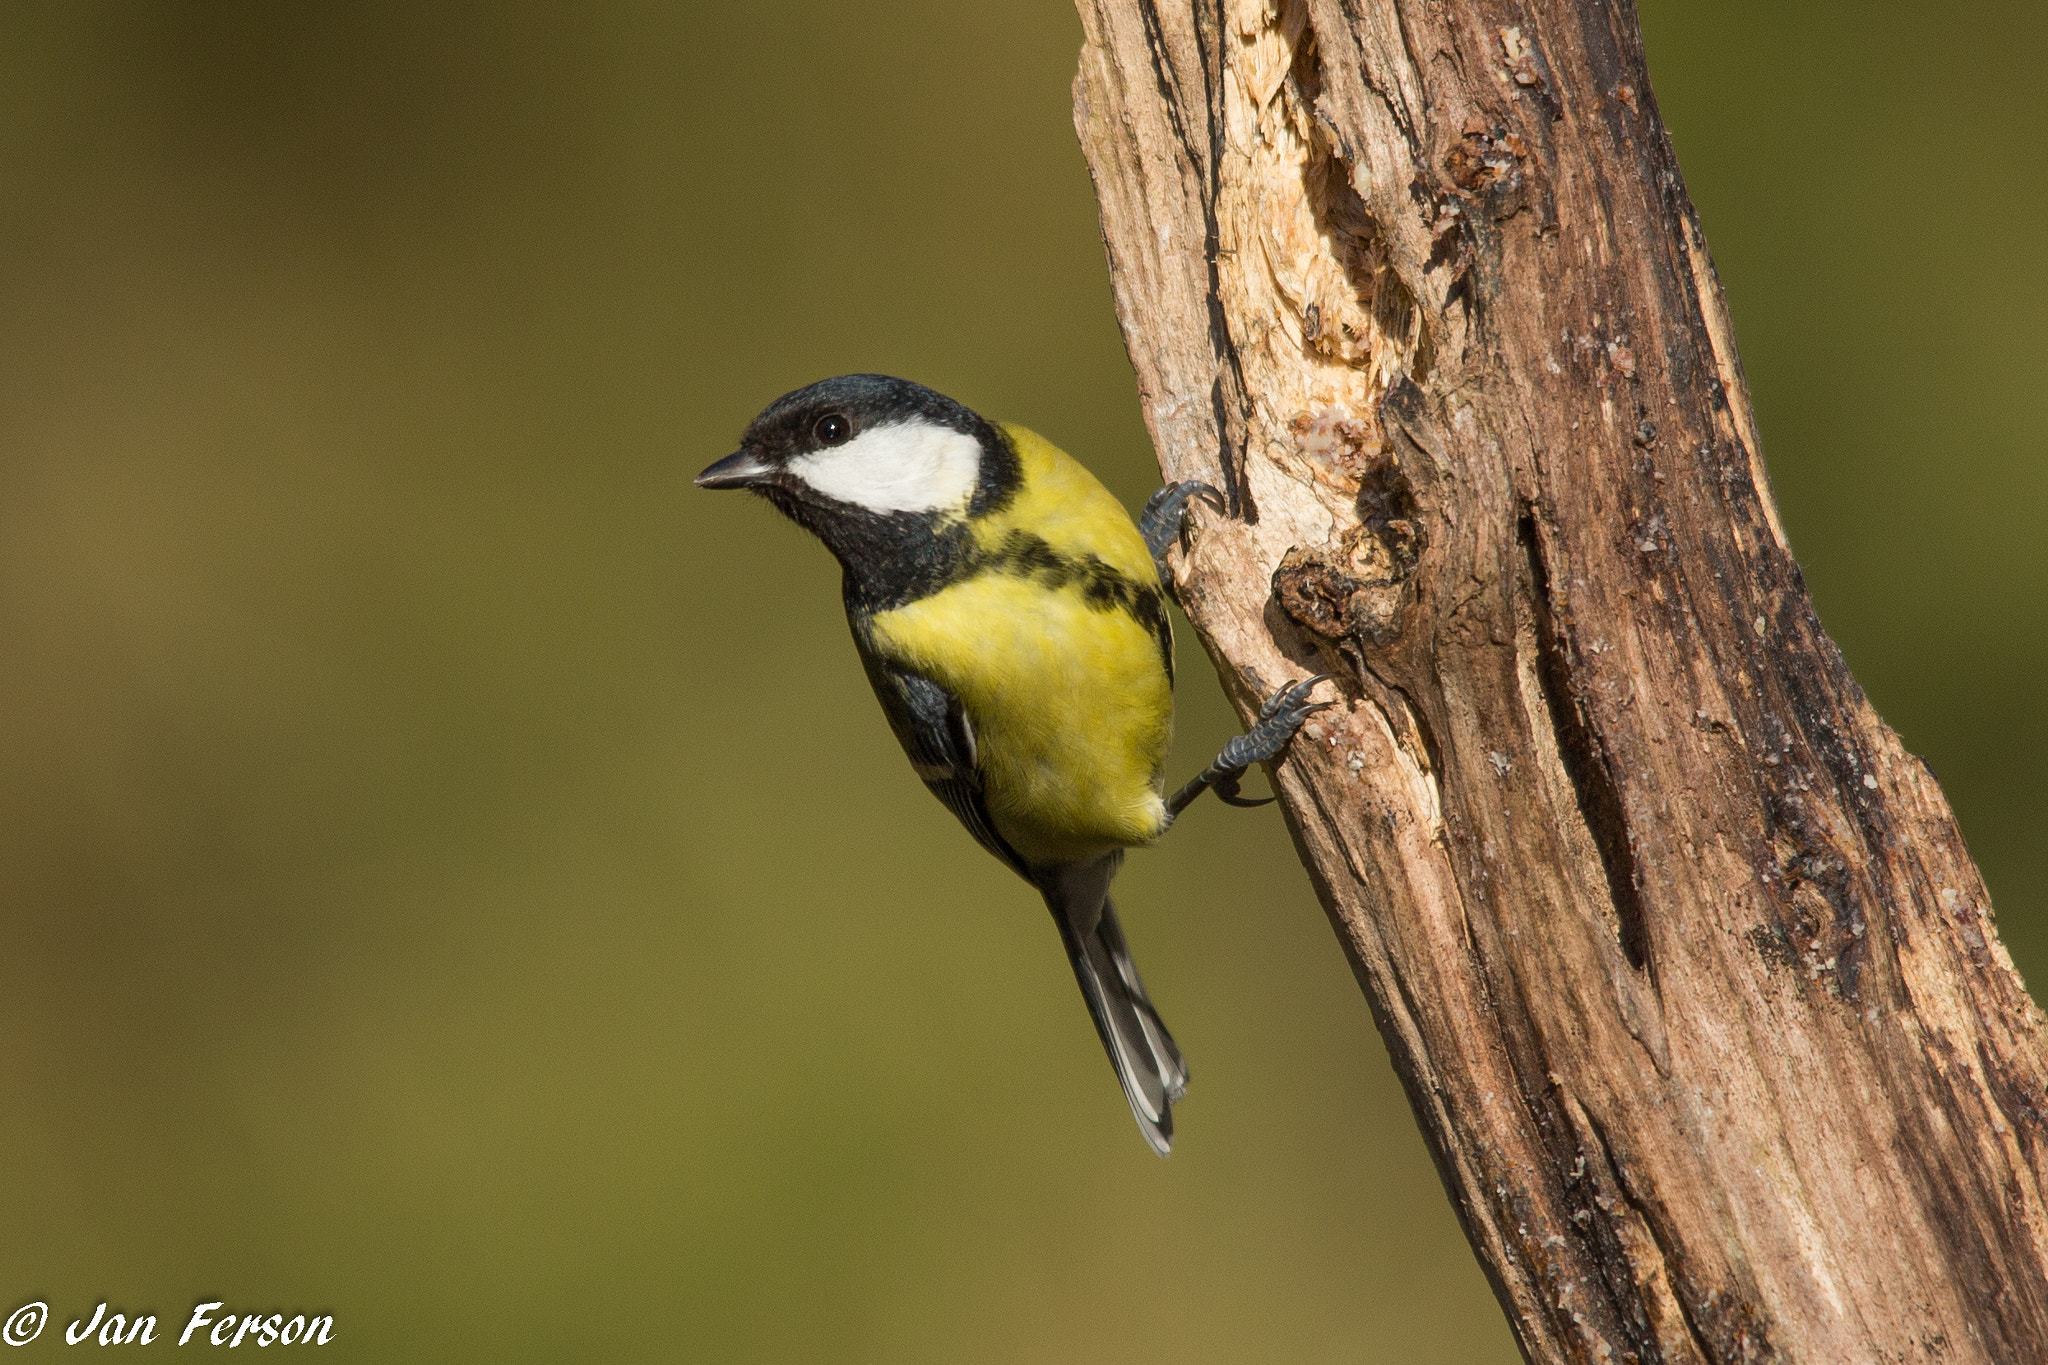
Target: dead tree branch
[1690,978]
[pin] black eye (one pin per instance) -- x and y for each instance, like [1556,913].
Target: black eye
[832,429]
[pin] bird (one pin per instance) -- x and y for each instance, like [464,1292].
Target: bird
[1011,619]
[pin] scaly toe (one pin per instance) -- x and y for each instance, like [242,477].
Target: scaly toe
[1159,523]
[1159,496]
[1291,698]
[1283,714]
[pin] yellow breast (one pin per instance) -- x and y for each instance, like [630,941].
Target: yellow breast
[1066,688]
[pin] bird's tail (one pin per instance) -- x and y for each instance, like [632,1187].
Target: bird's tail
[1143,1052]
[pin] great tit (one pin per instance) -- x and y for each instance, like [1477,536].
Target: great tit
[1011,619]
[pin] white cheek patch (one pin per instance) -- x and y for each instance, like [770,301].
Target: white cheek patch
[906,467]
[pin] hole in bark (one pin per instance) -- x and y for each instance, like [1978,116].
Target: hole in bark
[1584,761]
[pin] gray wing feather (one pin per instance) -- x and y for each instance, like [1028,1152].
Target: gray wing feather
[935,732]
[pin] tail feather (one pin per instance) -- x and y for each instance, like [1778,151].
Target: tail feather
[1147,1061]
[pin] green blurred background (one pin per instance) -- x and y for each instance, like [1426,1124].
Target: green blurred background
[454,875]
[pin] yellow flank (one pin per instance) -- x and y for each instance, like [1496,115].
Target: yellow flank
[1071,704]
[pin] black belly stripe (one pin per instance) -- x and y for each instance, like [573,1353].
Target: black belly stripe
[1104,588]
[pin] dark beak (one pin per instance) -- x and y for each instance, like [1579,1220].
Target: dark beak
[737,470]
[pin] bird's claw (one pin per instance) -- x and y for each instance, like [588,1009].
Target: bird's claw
[1226,788]
[1282,715]
[1159,523]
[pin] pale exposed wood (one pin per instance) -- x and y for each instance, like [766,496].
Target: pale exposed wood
[1690,978]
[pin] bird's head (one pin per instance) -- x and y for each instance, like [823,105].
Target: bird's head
[866,447]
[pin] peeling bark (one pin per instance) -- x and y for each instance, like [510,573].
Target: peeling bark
[1691,981]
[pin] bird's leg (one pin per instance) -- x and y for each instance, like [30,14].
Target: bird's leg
[1279,718]
[1160,522]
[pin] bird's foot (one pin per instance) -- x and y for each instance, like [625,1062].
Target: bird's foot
[1159,523]
[1283,714]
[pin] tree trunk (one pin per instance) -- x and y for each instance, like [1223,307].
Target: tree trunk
[1680,955]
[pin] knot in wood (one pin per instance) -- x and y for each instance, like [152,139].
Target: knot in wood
[1353,590]
[1487,166]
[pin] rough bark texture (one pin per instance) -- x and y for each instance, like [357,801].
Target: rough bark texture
[1690,978]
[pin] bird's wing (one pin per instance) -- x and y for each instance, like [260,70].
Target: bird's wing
[934,730]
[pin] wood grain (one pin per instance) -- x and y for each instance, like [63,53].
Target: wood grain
[1691,981]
